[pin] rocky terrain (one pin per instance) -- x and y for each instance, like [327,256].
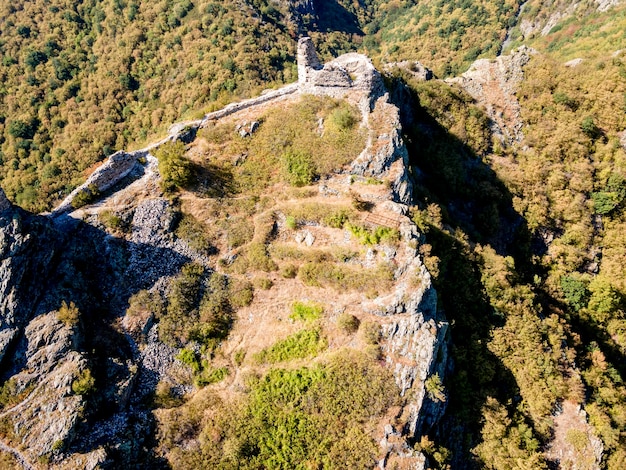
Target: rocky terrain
[78,368]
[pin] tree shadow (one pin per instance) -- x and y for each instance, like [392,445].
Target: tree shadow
[473,200]
[213,181]
[331,16]
[66,260]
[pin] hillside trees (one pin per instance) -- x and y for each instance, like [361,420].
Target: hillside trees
[81,81]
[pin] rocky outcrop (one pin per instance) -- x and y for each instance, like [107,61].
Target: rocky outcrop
[416,69]
[352,76]
[46,418]
[493,84]
[26,250]
[5,204]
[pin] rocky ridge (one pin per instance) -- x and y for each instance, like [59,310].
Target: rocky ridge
[48,356]
[493,84]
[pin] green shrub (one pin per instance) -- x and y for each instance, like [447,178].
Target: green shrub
[306,311]
[575,291]
[291,223]
[211,376]
[240,355]
[289,271]
[370,332]
[348,323]
[435,389]
[263,283]
[111,220]
[298,168]
[305,343]
[194,233]
[589,128]
[337,219]
[604,203]
[84,384]
[85,196]
[343,119]
[373,237]
[240,293]
[174,168]
[191,359]
[57,446]
[68,314]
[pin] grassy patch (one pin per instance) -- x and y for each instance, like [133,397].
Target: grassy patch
[306,311]
[305,343]
[340,277]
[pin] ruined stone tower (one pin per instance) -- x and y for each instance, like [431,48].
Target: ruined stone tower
[307,59]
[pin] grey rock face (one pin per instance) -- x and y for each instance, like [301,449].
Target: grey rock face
[5,204]
[493,83]
[418,70]
[51,410]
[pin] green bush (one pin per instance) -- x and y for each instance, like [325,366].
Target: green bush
[111,220]
[263,283]
[291,223]
[370,332]
[604,203]
[174,168]
[343,119]
[68,314]
[289,271]
[337,219]
[211,376]
[348,323]
[84,384]
[575,291]
[589,128]
[373,237]
[85,196]
[298,168]
[435,389]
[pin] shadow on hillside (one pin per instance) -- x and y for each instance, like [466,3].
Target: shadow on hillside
[98,273]
[476,202]
[331,16]
[213,181]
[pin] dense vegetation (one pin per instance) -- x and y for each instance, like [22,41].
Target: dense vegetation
[81,80]
[525,246]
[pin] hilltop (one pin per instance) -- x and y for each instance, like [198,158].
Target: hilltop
[259,266]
